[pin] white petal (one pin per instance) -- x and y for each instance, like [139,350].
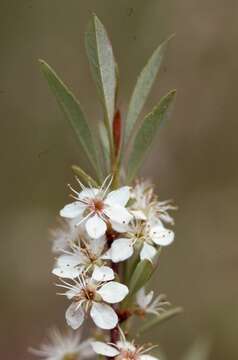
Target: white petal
[102,273]
[68,260]
[126,345]
[67,267]
[95,226]
[69,273]
[113,292]
[71,293]
[118,197]
[121,228]
[104,349]
[147,357]
[88,193]
[147,252]
[72,210]
[74,317]
[104,316]
[118,214]
[142,299]
[161,236]
[96,246]
[121,250]
[167,218]
[138,214]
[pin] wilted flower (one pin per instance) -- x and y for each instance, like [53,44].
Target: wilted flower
[93,296]
[145,204]
[81,258]
[123,350]
[149,305]
[65,235]
[64,347]
[98,208]
[147,235]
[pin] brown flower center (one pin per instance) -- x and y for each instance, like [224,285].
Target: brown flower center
[97,205]
[127,355]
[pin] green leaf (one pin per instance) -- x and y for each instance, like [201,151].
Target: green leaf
[72,109]
[140,276]
[200,350]
[143,86]
[104,142]
[84,176]
[102,64]
[147,133]
[157,320]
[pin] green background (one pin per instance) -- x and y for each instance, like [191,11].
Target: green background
[194,160]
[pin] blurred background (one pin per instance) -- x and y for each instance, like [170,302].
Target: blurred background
[194,160]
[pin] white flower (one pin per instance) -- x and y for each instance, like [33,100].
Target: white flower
[145,205]
[147,235]
[123,350]
[148,305]
[82,257]
[65,235]
[92,296]
[142,195]
[64,347]
[97,207]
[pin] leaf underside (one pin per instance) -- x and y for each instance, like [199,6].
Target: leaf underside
[72,110]
[147,132]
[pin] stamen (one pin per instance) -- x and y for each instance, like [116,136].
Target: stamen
[85,218]
[108,186]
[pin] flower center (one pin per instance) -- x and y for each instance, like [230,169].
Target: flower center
[97,205]
[127,355]
[86,293]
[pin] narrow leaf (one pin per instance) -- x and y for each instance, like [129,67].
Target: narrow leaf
[157,320]
[104,142]
[84,176]
[102,64]
[72,109]
[147,133]
[140,276]
[143,86]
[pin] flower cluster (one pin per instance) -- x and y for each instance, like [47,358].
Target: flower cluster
[109,227]
[109,237]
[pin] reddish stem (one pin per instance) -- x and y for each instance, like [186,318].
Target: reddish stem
[117,131]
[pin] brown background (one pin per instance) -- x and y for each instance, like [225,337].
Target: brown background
[194,160]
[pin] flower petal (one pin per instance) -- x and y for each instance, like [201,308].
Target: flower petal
[88,193]
[121,228]
[119,196]
[96,246]
[147,252]
[126,346]
[113,292]
[103,349]
[142,299]
[161,236]
[103,273]
[74,316]
[139,214]
[67,266]
[118,214]
[72,210]
[104,316]
[95,226]
[121,250]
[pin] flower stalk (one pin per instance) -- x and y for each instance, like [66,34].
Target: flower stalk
[111,235]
